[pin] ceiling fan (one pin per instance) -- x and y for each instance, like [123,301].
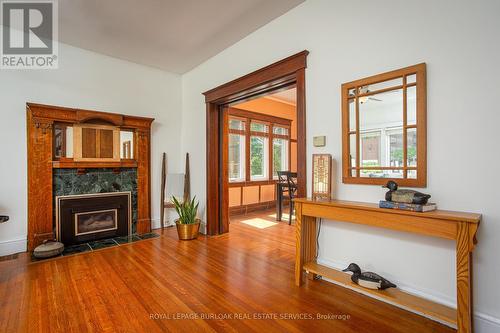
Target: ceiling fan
[365,99]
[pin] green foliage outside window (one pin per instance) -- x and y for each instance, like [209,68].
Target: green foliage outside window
[397,154]
[257,156]
[277,158]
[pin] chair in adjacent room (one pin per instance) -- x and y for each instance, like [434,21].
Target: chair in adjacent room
[286,188]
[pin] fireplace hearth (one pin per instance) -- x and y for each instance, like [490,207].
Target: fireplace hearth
[91,217]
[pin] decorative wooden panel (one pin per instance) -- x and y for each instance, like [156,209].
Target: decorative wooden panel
[96,143]
[267,193]
[143,181]
[87,141]
[40,226]
[107,143]
[234,196]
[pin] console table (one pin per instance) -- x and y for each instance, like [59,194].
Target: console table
[458,226]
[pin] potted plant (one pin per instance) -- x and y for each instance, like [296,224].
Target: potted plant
[187,224]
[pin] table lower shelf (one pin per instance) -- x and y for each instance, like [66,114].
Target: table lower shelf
[432,310]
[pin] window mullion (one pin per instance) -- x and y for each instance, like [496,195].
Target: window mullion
[405,130]
[270,172]
[358,148]
[247,150]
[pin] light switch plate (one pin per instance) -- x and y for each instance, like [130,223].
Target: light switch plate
[319,141]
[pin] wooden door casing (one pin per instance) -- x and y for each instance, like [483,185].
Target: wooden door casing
[275,77]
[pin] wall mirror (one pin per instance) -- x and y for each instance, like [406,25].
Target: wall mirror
[93,142]
[384,128]
[126,144]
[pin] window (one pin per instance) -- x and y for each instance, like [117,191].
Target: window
[280,156]
[236,157]
[395,148]
[370,153]
[384,147]
[411,155]
[259,151]
[259,127]
[370,149]
[280,130]
[262,142]
[236,124]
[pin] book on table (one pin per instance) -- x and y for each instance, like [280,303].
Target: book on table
[406,206]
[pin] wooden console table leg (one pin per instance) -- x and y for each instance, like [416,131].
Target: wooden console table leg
[299,243]
[309,232]
[309,235]
[305,228]
[464,274]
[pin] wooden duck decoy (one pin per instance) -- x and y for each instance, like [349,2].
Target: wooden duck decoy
[368,280]
[405,196]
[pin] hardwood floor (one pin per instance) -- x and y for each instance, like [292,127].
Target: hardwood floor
[153,285]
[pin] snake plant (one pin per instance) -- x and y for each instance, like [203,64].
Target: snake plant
[187,210]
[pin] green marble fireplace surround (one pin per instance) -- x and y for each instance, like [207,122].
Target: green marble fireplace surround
[102,180]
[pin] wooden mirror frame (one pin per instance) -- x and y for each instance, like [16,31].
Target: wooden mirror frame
[421,127]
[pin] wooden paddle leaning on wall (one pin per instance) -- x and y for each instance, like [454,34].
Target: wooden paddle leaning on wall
[187,188]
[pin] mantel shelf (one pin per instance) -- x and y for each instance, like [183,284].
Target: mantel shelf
[90,165]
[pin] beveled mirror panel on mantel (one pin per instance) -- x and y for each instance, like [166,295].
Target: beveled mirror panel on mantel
[384,128]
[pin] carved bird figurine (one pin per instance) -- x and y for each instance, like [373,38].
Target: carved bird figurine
[404,196]
[368,280]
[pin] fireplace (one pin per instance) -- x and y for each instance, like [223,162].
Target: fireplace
[54,170]
[89,217]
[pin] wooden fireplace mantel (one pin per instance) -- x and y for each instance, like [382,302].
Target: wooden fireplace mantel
[457,226]
[40,121]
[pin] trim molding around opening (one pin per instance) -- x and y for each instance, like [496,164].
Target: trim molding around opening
[286,72]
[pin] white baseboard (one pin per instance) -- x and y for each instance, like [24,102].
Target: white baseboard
[13,246]
[411,289]
[155,223]
[483,323]
[203,228]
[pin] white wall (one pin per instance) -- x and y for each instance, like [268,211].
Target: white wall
[89,81]
[349,40]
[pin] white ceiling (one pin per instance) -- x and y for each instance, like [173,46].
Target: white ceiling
[174,35]
[287,96]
